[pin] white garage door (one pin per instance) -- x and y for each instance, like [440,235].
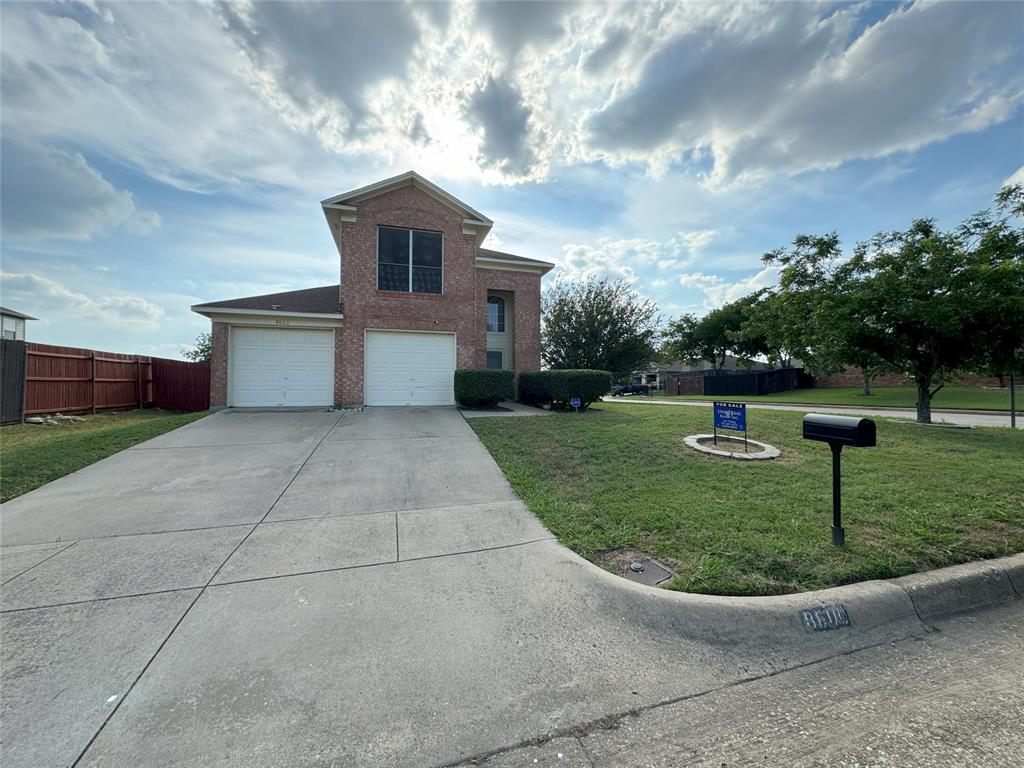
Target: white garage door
[410,368]
[277,366]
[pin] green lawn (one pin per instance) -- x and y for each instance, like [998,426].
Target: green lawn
[32,455]
[620,477]
[969,398]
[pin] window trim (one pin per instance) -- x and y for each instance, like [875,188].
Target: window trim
[411,230]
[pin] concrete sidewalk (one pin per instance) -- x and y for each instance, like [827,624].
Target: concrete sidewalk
[320,589]
[959,418]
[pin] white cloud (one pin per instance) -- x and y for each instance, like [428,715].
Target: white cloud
[49,193]
[625,258]
[155,87]
[1017,177]
[787,88]
[53,301]
[719,291]
[225,96]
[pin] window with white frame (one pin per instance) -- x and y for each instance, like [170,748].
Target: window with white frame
[409,260]
[495,314]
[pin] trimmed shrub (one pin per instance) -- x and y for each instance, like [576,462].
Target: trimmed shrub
[476,387]
[559,387]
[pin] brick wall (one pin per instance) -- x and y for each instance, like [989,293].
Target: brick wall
[219,366]
[454,309]
[526,308]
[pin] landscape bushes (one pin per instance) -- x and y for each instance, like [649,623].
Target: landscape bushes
[484,387]
[558,387]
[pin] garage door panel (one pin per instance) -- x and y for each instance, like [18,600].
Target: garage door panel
[409,368]
[274,366]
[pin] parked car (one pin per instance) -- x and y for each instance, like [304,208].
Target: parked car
[631,389]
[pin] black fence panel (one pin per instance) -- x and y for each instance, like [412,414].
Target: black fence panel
[12,381]
[759,383]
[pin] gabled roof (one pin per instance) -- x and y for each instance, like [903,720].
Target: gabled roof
[347,202]
[325,300]
[511,259]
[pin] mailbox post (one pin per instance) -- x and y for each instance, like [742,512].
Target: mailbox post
[838,431]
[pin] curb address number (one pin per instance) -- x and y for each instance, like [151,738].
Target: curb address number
[825,618]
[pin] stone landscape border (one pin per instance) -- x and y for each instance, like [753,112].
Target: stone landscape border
[766,452]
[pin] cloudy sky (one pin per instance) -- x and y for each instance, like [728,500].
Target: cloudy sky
[155,156]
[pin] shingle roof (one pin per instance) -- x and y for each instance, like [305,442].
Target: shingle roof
[323,300]
[487,253]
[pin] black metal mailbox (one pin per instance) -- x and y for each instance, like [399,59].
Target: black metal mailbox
[838,431]
[844,430]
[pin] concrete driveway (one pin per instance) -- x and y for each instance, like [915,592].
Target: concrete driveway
[326,589]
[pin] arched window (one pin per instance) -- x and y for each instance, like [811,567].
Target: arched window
[495,314]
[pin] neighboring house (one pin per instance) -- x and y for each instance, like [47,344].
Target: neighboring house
[418,297]
[657,375]
[12,324]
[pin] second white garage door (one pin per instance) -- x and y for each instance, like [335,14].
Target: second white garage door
[275,366]
[410,368]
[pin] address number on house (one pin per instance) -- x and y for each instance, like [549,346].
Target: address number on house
[825,618]
[282,322]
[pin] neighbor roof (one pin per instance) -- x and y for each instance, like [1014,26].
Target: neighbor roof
[12,313]
[324,301]
[487,253]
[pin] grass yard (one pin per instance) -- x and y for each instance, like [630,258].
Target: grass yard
[954,398]
[32,455]
[620,477]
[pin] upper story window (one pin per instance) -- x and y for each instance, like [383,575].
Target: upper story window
[408,260]
[495,314]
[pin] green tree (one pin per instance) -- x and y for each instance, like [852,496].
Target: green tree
[998,285]
[938,302]
[710,338]
[598,324]
[810,314]
[201,351]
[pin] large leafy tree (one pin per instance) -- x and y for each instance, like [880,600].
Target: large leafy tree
[713,336]
[937,302]
[599,324]
[810,313]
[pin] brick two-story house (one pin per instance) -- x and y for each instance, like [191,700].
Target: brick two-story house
[418,297]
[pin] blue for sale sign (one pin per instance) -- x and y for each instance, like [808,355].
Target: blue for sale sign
[731,416]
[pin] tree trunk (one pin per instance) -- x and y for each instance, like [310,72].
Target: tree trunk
[867,381]
[924,402]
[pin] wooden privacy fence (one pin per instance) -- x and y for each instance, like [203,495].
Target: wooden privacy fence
[55,379]
[12,381]
[180,386]
[68,379]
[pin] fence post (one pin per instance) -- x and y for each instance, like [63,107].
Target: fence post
[92,359]
[138,379]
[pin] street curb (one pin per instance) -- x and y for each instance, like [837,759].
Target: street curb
[810,626]
[963,587]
